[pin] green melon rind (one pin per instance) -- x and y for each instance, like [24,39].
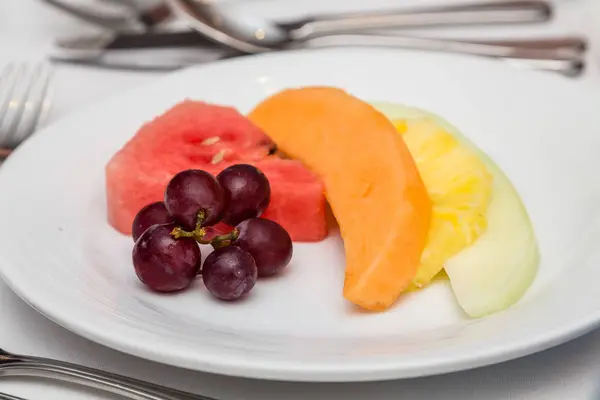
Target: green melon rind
[497,269]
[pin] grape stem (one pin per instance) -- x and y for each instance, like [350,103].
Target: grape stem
[225,240]
[199,233]
[200,218]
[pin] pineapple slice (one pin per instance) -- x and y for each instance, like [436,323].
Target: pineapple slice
[460,188]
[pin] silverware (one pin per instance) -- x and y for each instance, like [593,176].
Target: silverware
[575,44]
[151,60]
[148,12]
[19,365]
[557,54]
[189,38]
[248,34]
[6,396]
[24,101]
[129,40]
[564,61]
[484,13]
[4,153]
[130,17]
[251,34]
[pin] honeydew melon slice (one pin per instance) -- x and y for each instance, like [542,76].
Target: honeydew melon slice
[494,272]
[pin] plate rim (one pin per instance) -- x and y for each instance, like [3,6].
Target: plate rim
[282,371]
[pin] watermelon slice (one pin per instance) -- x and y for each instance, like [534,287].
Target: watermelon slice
[199,135]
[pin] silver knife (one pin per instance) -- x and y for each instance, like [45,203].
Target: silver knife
[129,40]
[178,49]
[191,38]
[150,51]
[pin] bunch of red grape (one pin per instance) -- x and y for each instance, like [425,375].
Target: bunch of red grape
[166,255]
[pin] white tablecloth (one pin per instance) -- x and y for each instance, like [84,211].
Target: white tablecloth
[568,372]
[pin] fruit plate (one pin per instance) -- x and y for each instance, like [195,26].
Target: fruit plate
[61,256]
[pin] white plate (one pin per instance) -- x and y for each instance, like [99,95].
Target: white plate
[58,252]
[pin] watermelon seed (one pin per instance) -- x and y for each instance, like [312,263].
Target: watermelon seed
[210,141]
[217,158]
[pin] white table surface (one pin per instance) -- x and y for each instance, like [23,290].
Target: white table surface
[568,372]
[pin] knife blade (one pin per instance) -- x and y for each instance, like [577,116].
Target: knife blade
[131,40]
[160,51]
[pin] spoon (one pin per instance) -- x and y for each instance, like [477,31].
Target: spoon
[252,34]
[136,17]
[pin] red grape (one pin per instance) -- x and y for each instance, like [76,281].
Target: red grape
[192,191]
[269,244]
[152,214]
[229,273]
[248,192]
[163,263]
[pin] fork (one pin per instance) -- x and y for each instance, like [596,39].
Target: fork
[24,102]
[6,396]
[20,365]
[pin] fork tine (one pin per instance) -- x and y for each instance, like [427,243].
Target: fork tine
[9,106]
[27,79]
[34,103]
[46,103]
[7,85]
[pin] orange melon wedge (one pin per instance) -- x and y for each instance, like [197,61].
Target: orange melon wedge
[371,183]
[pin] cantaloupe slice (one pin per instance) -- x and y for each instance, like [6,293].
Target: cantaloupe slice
[371,182]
